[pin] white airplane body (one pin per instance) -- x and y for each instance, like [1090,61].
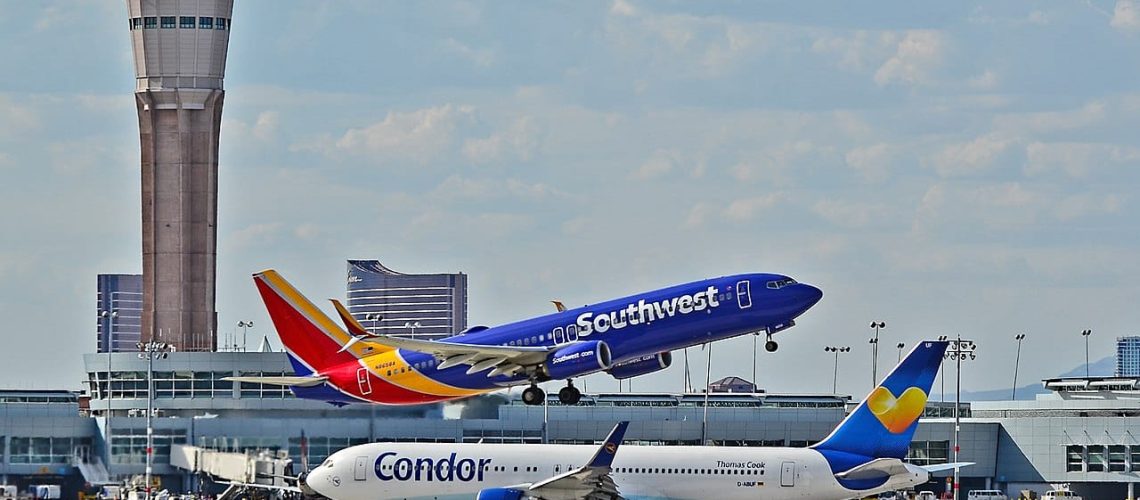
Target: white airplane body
[638,472]
[863,456]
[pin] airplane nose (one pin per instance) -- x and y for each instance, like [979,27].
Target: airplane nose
[809,296]
[317,481]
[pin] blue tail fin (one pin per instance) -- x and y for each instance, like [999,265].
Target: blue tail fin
[884,423]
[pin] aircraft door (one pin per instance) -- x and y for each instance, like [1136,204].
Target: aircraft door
[363,380]
[743,294]
[788,474]
[360,470]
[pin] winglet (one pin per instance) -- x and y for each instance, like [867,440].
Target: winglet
[605,454]
[558,305]
[354,327]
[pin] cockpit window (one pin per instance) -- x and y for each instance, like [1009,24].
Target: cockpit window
[778,284]
[328,463]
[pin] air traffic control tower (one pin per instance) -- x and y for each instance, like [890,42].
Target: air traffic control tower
[180,60]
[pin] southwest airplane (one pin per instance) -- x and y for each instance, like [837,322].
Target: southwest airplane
[861,457]
[625,337]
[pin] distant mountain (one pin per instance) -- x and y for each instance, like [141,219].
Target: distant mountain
[1101,367]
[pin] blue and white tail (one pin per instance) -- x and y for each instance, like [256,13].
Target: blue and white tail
[884,423]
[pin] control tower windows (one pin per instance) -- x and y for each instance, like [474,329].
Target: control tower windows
[150,22]
[206,23]
[167,22]
[186,22]
[136,23]
[220,23]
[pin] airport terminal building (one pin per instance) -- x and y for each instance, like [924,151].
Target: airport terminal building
[1074,435]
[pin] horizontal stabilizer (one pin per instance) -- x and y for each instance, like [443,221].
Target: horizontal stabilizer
[942,467]
[878,468]
[295,381]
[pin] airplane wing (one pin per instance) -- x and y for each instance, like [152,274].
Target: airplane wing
[297,381]
[590,481]
[504,359]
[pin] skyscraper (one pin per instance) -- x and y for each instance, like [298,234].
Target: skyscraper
[436,302]
[1128,356]
[118,308]
[180,58]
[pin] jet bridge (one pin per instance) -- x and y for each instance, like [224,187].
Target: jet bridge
[269,473]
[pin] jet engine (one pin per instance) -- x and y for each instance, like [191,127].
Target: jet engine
[578,359]
[641,366]
[500,494]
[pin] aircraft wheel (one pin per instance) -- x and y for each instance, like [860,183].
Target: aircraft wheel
[569,395]
[533,395]
[771,346]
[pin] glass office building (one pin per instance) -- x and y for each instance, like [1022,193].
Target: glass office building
[388,302]
[1128,356]
[118,312]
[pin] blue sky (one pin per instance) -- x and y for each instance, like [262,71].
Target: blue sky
[962,168]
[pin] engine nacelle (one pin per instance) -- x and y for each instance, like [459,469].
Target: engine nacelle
[500,494]
[641,366]
[579,359]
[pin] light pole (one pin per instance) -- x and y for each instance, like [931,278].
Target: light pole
[755,383]
[1016,360]
[900,347]
[958,351]
[1086,334]
[373,317]
[876,325]
[149,351]
[109,316]
[835,372]
[412,325]
[245,326]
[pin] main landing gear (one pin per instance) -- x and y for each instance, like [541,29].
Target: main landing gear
[569,395]
[533,395]
[771,345]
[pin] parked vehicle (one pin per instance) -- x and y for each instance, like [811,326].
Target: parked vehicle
[927,495]
[1060,495]
[986,495]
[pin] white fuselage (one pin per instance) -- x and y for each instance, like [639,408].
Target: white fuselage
[424,471]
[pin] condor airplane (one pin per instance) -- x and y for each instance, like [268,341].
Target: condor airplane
[861,457]
[624,337]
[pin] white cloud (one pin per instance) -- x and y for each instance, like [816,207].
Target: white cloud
[872,162]
[918,53]
[985,81]
[519,141]
[969,157]
[852,215]
[463,188]
[483,58]
[1086,204]
[15,118]
[660,163]
[746,209]
[1042,122]
[421,135]
[698,214]
[253,235]
[1126,15]
[622,8]
[862,50]
[1076,159]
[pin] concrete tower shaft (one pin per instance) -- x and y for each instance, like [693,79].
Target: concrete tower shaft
[180,58]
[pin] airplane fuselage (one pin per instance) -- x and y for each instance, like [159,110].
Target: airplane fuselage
[639,325]
[443,471]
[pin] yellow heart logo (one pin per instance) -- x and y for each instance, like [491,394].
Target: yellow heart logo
[896,414]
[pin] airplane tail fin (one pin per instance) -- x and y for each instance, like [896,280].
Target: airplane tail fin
[884,423]
[307,333]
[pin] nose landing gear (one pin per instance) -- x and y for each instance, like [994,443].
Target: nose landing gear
[771,345]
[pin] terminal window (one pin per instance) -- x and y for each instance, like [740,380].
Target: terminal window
[186,22]
[167,22]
